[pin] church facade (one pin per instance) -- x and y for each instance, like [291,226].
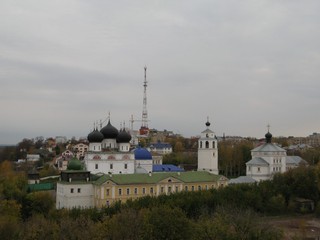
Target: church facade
[269,159]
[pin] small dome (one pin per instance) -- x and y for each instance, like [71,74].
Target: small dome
[208,124]
[95,136]
[268,137]
[142,154]
[123,136]
[109,131]
[74,164]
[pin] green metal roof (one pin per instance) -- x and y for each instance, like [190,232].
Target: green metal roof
[40,187]
[186,177]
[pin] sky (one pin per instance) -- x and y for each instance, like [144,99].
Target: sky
[245,64]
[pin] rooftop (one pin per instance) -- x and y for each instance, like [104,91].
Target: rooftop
[186,177]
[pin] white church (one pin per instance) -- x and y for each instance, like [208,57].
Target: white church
[110,153]
[269,159]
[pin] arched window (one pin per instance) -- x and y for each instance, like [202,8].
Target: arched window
[207,144]
[201,144]
[213,144]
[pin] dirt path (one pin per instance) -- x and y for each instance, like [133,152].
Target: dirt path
[297,227]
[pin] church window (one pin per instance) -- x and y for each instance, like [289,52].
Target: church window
[192,188]
[107,191]
[199,188]
[207,144]
[151,190]
[143,190]
[258,169]
[79,190]
[177,189]
[125,166]
[213,144]
[162,189]
[71,190]
[120,191]
[128,191]
[169,189]
[135,190]
[111,166]
[186,188]
[96,166]
[201,144]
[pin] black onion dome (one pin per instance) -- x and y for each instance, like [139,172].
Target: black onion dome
[123,137]
[109,131]
[95,136]
[268,137]
[208,124]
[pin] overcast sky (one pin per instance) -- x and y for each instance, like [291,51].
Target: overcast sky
[66,64]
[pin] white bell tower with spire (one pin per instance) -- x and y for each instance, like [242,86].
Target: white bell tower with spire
[208,151]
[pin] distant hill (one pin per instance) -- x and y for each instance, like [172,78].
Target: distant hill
[7,145]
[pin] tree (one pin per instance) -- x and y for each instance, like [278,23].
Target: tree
[128,224]
[178,147]
[48,170]
[39,142]
[77,229]
[37,203]
[12,184]
[166,223]
[39,227]
[8,153]
[9,219]
[57,150]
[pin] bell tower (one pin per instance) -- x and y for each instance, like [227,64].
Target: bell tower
[208,151]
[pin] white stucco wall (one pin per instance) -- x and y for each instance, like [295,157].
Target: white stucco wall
[80,197]
[101,162]
[208,160]
[146,164]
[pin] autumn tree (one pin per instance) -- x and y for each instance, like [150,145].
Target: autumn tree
[166,223]
[12,184]
[37,203]
[40,227]
[127,224]
[10,220]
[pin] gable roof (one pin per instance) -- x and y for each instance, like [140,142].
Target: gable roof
[257,161]
[186,177]
[268,147]
[295,160]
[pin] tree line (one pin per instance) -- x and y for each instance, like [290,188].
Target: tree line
[232,212]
